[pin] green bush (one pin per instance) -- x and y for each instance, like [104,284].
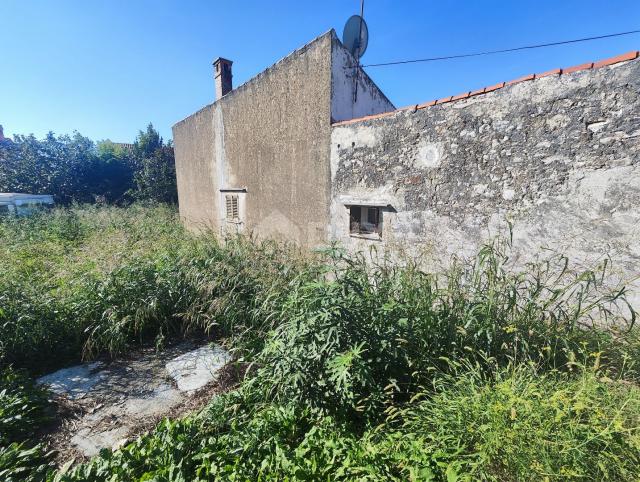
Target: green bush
[23,406]
[514,424]
[519,424]
[23,411]
[355,370]
[92,279]
[362,338]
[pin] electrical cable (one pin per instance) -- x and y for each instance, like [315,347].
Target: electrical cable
[491,52]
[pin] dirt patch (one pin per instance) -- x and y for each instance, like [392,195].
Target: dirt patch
[108,404]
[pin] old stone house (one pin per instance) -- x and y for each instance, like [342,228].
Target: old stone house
[311,150]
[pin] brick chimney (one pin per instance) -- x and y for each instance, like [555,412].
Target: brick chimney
[222,74]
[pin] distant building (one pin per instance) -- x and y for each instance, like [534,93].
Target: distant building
[124,146]
[23,204]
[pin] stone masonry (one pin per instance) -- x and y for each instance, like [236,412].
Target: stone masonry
[557,156]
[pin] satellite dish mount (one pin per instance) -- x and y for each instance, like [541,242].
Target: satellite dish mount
[355,38]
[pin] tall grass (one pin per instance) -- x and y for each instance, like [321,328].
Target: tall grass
[359,371]
[88,281]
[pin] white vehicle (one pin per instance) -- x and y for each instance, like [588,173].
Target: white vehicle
[23,204]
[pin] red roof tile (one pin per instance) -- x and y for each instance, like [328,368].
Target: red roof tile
[477,92]
[491,88]
[548,73]
[444,100]
[614,60]
[460,96]
[522,79]
[427,104]
[577,68]
[589,65]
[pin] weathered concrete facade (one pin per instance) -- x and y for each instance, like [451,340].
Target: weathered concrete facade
[555,155]
[195,169]
[266,144]
[558,157]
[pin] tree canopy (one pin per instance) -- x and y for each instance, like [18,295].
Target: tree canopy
[76,169]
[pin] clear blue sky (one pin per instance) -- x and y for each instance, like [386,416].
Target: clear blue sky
[108,67]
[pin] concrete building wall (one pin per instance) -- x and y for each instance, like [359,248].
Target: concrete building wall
[267,143]
[276,131]
[559,157]
[368,98]
[194,147]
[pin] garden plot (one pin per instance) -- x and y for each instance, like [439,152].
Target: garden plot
[109,403]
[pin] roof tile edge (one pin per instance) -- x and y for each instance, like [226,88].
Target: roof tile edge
[632,55]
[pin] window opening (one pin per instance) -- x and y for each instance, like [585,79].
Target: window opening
[364,220]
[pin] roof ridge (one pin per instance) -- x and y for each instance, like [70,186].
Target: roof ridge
[290,55]
[632,55]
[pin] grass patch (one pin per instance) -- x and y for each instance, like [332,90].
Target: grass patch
[358,371]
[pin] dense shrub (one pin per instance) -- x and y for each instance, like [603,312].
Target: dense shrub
[356,370]
[516,424]
[364,338]
[23,411]
[87,281]
[92,278]
[75,169]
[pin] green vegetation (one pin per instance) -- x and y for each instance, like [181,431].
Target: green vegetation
[23,409]
[75,169]
[356,371]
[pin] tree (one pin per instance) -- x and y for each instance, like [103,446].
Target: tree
[112,175]
[54,165]
[155,176]
[75,169]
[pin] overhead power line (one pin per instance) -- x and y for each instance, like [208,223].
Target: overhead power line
[492,52]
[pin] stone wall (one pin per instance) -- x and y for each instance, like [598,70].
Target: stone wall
[558,157]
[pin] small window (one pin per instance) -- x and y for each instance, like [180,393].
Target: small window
[364,220]
[233,213]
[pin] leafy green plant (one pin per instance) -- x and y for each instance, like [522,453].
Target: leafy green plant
[355,370]
[519,424]
[23,411]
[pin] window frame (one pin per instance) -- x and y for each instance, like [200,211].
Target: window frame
[366,229]
[235,217]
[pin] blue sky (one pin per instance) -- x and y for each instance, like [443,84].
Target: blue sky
[107,68]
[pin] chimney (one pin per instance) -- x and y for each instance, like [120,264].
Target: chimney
[222,74]
[1,133]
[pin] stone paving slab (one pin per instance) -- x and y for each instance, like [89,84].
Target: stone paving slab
[113,399]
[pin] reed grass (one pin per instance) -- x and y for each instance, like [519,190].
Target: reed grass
[358,370]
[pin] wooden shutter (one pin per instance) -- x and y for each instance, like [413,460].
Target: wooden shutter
[235,211]
[232,207]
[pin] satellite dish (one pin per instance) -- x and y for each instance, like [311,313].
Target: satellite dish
[356,36]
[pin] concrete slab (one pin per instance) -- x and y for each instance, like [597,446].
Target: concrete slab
[197,368]
[114,400]
[75,382]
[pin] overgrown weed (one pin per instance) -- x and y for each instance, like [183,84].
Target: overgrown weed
[360,370]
